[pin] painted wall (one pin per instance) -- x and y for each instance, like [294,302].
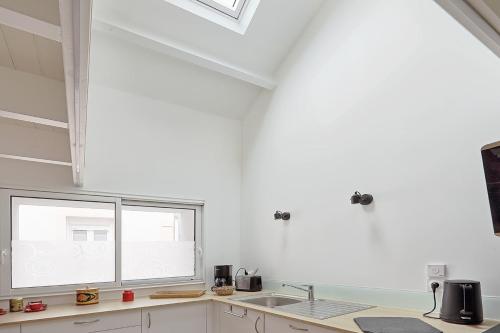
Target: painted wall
[387,97]
[142,146]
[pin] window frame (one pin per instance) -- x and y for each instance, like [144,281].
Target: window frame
[6,195]
[233,13]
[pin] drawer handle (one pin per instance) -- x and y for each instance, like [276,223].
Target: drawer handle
[298,328]
[256,322]
[239,315]
[86,322]
[149,320]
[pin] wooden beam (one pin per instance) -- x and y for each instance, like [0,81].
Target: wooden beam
[32,159]
[32,119]
[75,23]
[29,24]
[472,21]
[185,53]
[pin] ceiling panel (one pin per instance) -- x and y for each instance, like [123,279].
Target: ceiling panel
[50,58]
[30,53]
[5,59]
[45,10]
[22,49]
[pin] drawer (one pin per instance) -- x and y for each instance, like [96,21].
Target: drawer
[86,323]
[282,325]
[10,329]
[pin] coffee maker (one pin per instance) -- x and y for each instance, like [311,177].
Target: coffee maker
[223,275]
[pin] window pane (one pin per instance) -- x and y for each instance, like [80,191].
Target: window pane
[51,243]
[228,3]
[157,242]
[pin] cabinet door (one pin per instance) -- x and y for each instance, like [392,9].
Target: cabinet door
[282,325]
[86,323]
[135,329]
[10,329]
[235,319]
[183,318]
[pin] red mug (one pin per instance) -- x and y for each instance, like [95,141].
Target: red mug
[35,306]
[127,296]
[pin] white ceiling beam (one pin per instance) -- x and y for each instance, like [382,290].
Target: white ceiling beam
[29,24]
[185,53]
[75,23]
[32,119]
[473,22]
[32,159]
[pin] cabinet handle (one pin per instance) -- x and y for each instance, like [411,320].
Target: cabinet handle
[239,315]
[298,328]
[86,322]
[256,322]
[149,320]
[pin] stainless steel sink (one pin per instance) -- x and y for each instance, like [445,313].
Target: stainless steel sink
[269,301]
[319,309]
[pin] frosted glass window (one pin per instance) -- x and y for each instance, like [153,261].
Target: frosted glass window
[55,242]
[157,242]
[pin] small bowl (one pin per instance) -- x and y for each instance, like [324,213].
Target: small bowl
[35,306]
[223,291]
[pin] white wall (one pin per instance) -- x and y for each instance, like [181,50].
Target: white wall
[143,146]
[387,97]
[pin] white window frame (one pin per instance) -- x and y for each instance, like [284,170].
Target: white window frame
[234,13]
[6,289]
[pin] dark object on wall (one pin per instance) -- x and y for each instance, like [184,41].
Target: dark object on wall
[223,275]
[462,303]
[285,216]
[491,165]
[364,199]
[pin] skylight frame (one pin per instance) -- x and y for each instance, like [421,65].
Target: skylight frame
[234,13]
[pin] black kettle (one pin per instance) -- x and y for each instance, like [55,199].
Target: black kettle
[462,302]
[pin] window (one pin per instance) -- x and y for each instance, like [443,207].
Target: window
[231,8]
[157,242]
[54,242]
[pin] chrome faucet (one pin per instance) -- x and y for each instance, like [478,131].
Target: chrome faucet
[309,290]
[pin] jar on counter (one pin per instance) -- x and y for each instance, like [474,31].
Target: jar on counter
[16,304]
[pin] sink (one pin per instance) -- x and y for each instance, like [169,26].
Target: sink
[269,301]
[318,309]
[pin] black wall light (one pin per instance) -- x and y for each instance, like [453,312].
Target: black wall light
[364,199]
[285,216]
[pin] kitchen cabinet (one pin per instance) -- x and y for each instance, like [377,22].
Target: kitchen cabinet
[235,319]
[179,318]
[276,324]
[118,322]
[10,329]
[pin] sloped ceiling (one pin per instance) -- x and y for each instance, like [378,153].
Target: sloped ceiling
[276,26]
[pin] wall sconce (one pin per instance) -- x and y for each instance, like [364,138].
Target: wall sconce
[285,216]
[364,199]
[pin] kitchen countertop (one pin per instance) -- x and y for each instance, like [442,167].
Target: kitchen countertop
[344,323]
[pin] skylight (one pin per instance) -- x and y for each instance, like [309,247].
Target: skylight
[231,8]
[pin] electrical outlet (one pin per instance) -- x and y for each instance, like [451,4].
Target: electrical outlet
[436,271]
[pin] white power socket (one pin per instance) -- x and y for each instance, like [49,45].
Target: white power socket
[435,273]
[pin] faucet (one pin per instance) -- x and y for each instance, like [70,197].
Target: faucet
[309,290]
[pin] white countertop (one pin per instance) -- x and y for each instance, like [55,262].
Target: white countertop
[344,323]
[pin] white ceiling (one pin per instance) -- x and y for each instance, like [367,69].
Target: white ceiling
[124,66]
[273,30]
[122,58]
[45,10]
[27,52]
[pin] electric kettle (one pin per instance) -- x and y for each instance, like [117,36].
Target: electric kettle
[462,302]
